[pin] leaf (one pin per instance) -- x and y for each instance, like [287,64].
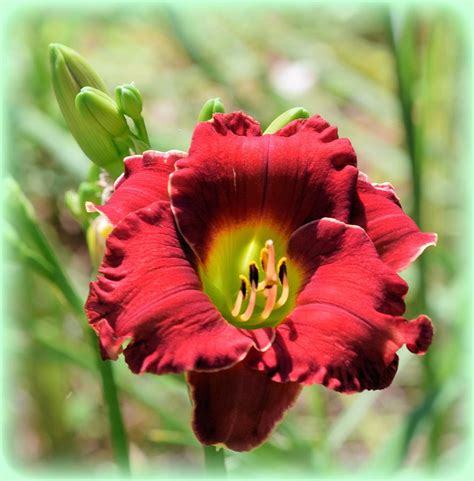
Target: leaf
[391,455]
[351,418]
[29,243]
[53,139]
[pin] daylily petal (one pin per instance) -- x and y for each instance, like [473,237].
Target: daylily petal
[238,407]
[149,292]
[144,181]
[234,175]
[396,237]
[347,325]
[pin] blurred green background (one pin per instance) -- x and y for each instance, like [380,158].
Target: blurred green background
[393,81]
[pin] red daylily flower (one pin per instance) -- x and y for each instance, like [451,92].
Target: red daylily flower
[256,264]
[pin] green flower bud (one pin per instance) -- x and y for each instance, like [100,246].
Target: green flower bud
[285,118]
[70,73]
[71,200]
[76,201]
[211,107]
[81,71]
[89,192]
[96,106]
[129,100]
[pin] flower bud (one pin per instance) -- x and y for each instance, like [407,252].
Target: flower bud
[81,71]
[71,200]
[75,201]
[129,101]
[70,72]
[211,107]
[96,106]
[285,118]
[89,192]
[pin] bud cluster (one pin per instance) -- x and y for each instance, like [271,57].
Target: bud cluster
[96,120]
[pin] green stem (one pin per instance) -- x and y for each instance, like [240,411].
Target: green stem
[214,460]
[141,130]
[118,434]
[109,390]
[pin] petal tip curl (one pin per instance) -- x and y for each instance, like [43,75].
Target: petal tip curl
[418,334]
[396,236]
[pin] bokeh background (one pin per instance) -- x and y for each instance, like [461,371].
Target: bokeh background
[394,81]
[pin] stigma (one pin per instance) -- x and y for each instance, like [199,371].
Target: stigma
[275,275]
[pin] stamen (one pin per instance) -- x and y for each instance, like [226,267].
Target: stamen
[253,276]
[240,296]
[270,304]
[283,276]
[264,262]
[249,287]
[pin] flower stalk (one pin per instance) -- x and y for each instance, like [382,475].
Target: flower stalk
[214,460]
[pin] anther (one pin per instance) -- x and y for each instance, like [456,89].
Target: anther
[282,271]
[240,296]
[283,277]
[253,277]
[253,274]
